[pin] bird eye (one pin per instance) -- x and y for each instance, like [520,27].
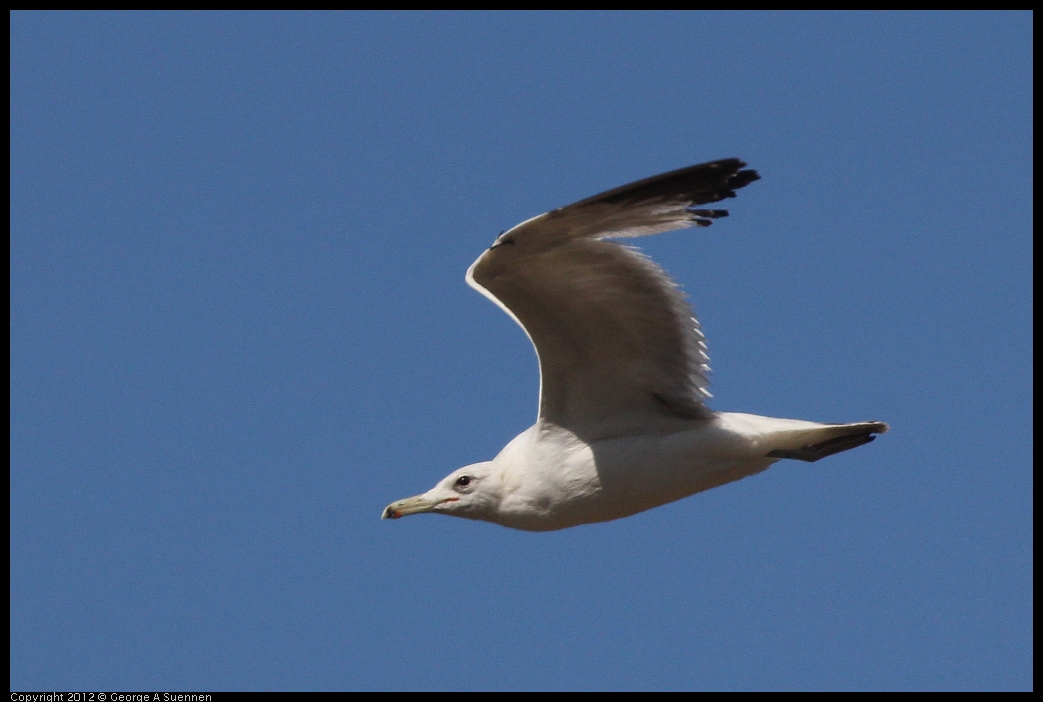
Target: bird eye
[463,481]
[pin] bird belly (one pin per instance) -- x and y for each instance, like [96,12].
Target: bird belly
[616,478]
[641,473]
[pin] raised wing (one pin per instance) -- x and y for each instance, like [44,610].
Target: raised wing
[618,345]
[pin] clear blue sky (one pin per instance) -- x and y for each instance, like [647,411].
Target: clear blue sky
[239,328]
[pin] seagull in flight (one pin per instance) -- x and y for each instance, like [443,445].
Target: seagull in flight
[623,423]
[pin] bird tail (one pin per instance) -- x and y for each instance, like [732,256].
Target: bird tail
[811,443]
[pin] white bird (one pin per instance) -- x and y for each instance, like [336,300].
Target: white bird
[623,424]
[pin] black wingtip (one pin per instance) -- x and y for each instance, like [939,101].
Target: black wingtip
[699,184]
[739,180]
[815,452]
[743,178]
[704,218]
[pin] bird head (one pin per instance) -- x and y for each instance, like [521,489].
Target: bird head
[472,492]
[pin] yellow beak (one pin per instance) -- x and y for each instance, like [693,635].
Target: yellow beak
[413,505]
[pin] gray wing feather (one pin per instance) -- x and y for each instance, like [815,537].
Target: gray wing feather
[616,340]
